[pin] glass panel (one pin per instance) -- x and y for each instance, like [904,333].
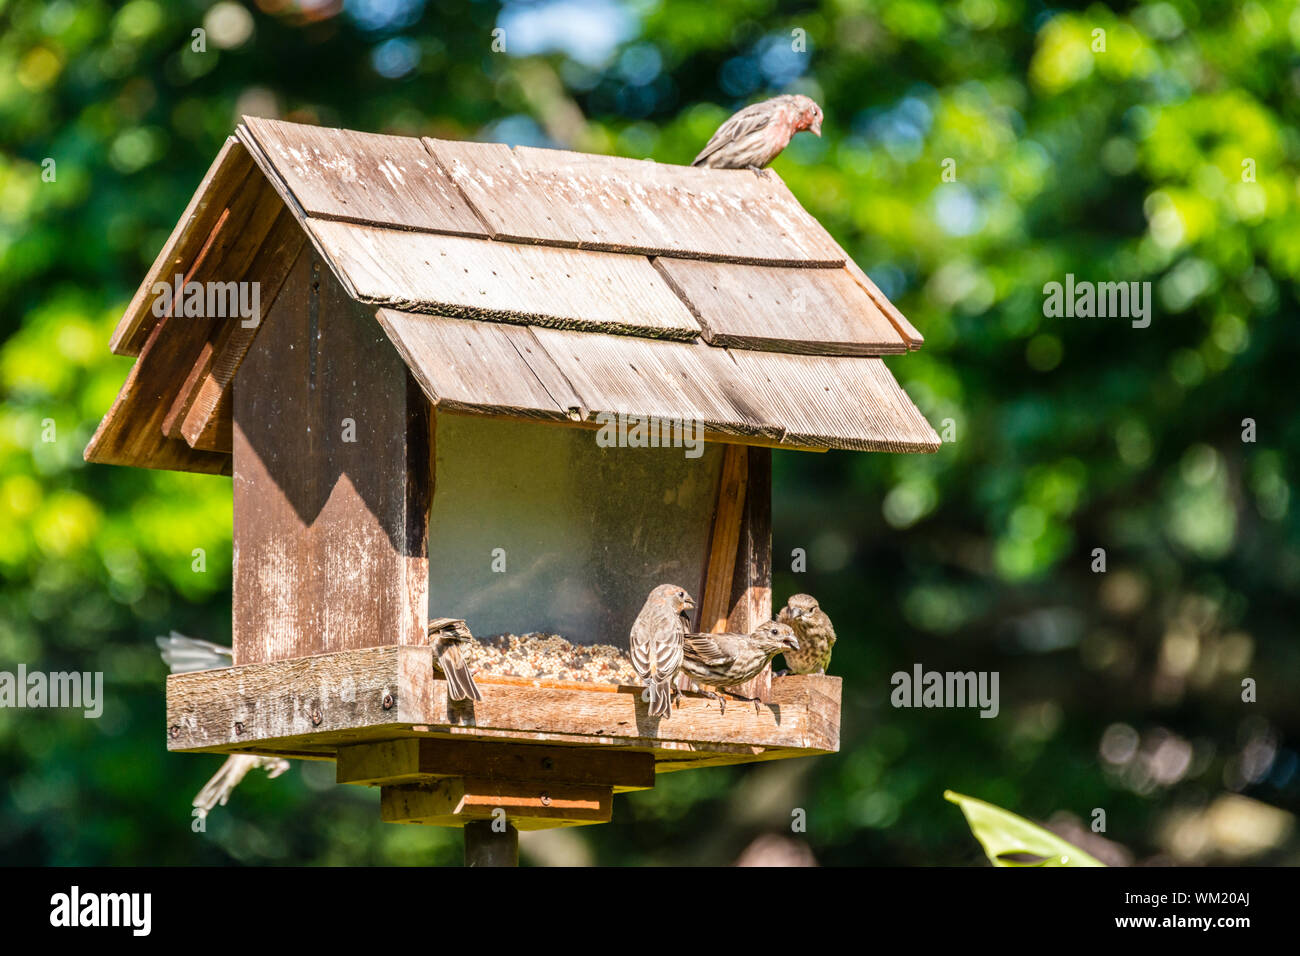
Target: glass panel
[586,531]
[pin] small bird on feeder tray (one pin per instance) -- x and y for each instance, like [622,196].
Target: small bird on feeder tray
[448,635]
[815,633]
[656,645]
[183,654]
[727,660]
[756,135]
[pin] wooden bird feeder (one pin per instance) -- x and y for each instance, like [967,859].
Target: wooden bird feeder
[412,288]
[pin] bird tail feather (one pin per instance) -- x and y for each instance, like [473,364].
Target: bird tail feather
[460,682]
[661,696]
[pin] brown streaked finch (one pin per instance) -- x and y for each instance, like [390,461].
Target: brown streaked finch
[448,635]
[815,633]
[718,661]
[183,654]
[655,644]
[755,136]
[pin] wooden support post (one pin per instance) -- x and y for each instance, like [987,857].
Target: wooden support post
[751,587]
[486,847]
[332,480]
[728,514]
[737,592]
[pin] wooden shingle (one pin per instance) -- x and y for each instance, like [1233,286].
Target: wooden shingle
[639,206]
[671,381]
[360,177]
[780,309]
[905,328]
[748,397]
[836,401]
[474,278]
[481,366]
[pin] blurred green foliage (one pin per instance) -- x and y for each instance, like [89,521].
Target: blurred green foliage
[1011,840]
[1163,149]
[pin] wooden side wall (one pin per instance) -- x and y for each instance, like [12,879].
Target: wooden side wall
[332,445]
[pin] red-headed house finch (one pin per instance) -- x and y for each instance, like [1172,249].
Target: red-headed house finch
[183,654]
[755,136]
[815,633]
[725,660]
[448,635]
[656,644]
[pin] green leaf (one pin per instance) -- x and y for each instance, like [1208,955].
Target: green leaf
[1006,836]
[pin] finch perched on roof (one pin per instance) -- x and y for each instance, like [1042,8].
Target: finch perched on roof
[755,136]
[815,633]
[725,660]
[448,635]
[656,644]
[183,654]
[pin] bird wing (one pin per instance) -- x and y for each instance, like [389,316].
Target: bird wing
[709,649]
[668,648]
[183,654]
[644,642]
[744,123]
[639,646]
[226,779]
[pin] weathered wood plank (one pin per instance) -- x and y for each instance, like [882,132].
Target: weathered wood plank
[143,427]
[134,431]
[323,702]
[363,177]
[788,400]
[754,398]
[715,600]
[208,419]
[528,806]
[478,279]
[671,381]
[905,328]
[419,759]
[239,254]
[628,205]
[131,431]
[332,480]
[464,365]
[227,176]
[808,311]
[836,401]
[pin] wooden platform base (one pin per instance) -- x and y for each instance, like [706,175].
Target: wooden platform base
[547,754]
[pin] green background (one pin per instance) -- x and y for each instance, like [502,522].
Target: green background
[1170,156]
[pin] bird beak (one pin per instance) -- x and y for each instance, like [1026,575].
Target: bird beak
[816,128]
[792,643]
[797,613]
[690,604]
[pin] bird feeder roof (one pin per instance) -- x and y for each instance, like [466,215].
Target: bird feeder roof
[529,283]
